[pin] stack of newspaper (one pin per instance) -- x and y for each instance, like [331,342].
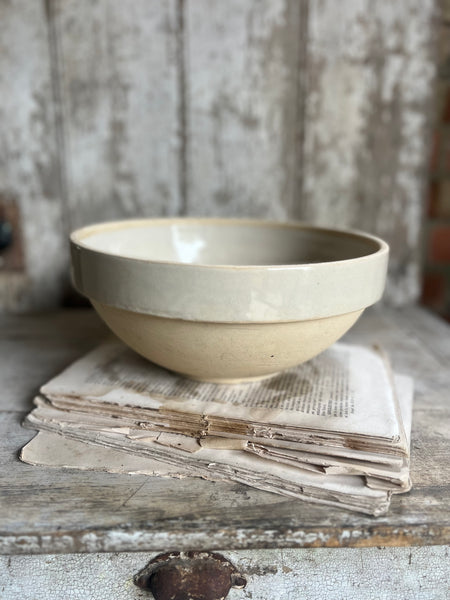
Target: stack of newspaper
[335,430]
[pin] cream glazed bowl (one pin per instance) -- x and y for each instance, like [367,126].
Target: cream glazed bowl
[227,300]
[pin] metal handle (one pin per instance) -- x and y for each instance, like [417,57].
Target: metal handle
[193,575]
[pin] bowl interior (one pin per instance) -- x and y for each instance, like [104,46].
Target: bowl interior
[232,243]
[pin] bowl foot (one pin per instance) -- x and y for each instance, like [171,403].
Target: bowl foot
[230,381]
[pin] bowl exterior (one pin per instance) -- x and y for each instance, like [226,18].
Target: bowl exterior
[224,352]
[231,294]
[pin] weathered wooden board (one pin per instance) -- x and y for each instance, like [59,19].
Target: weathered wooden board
[367,104]
[29,163]
[53,510]
[350,573]
[425,327]
[34,349]
[242,106]
[118,88]
[399,331]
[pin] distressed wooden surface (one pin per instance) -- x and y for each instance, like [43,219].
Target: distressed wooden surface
[242,69]
[116,69]
[369,83]
[350,573]
[62,511]
[277,109]
[34,348]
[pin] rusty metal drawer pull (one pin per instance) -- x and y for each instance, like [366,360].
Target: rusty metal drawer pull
[189,576]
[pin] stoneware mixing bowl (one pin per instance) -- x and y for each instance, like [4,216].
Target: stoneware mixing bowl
[227,300]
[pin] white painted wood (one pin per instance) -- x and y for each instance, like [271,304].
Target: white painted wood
[428,328]
[117,78]
[29,164]
[367,98]
[315,574]
[33,349]
[241,62]
[399,332]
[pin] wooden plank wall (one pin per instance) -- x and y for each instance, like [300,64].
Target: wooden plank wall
[30,163]
[368,96]
[283,109]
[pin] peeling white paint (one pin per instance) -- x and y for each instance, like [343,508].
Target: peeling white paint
[382,573]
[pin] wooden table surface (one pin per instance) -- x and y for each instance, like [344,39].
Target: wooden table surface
[44,510]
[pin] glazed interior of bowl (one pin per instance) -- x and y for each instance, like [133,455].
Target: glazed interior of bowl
[233,243]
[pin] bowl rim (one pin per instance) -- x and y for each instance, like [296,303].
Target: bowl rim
[78,235]
[229,293]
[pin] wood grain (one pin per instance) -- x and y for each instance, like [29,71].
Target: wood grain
[117,81]
[29,164]
[242,72]
[37,348]
[54,510]
[367,107]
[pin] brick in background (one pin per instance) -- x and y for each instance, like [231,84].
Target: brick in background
[446,106]
[445,158]
[438,203]
[436,282]
[433,198]
[443,200]
[433,291]
[439,249]
[435,155]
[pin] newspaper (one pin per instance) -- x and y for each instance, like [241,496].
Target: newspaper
[179,451]
[54,450]
[380,472]
[335,430]
[344,398]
